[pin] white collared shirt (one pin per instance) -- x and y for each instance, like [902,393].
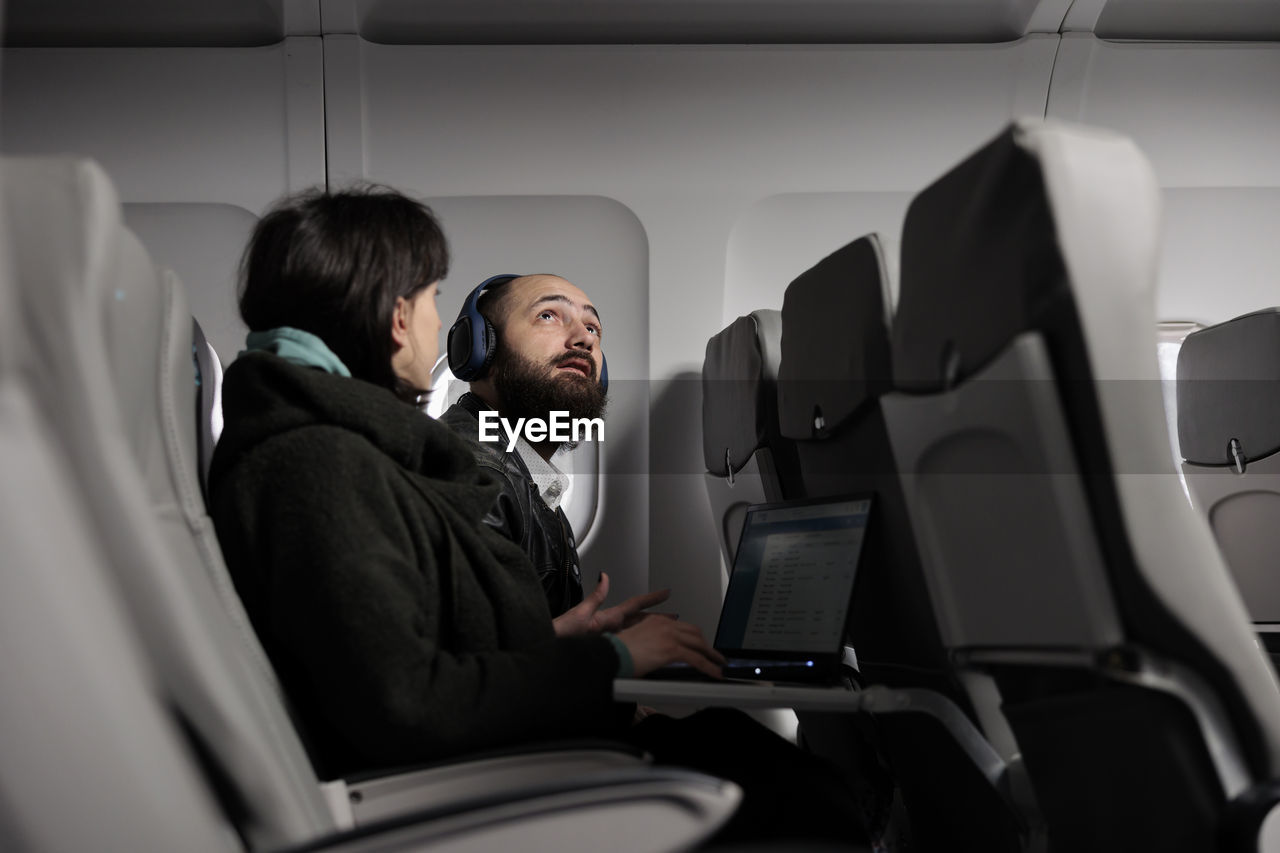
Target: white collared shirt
[552,483]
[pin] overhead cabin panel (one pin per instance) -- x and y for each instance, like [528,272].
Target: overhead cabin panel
[1199,20]
[687,21]
[157,23]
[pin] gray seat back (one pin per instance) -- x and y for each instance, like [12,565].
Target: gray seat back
[1229,435]
[740,421]
[835,367]
[1061,555]
[111,340]
[94,758]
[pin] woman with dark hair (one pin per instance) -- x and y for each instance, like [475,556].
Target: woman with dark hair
[403,628]
[340,267]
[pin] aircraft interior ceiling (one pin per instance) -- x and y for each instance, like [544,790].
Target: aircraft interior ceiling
[229,23]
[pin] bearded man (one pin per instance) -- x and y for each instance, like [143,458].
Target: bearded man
[531,345]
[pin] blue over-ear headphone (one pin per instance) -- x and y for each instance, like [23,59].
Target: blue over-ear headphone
[472,342]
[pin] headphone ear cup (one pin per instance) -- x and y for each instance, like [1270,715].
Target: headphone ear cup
[458,346]
[472,342]
[490,348]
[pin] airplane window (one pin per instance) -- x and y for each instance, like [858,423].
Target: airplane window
[582,499]
[1169,338]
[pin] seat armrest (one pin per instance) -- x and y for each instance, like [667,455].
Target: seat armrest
[374,798]
[638,810]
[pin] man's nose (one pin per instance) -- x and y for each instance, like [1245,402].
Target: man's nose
[580,336]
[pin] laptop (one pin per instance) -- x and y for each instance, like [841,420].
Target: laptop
[790,591]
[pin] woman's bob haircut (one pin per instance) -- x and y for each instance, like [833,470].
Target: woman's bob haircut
[334,263]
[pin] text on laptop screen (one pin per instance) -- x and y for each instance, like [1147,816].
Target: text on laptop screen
[792,577]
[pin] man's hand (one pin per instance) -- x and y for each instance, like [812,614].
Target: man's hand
[588,618]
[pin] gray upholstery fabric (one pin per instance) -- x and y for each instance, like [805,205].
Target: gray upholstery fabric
[739,390]
[91,753]
[1028,278]
[739,421]
[1229,388]
[835,340]
[111,339]
[1229,393]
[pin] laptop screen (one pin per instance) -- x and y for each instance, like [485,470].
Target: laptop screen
[793,576]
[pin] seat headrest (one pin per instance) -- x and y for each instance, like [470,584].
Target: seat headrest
[739,391]
[979,261]
[1229,388]
[996,246]
[81,267]
[835,340]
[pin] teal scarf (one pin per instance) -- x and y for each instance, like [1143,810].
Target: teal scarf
[296,347]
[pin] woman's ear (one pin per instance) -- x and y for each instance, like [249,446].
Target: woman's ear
[400,319]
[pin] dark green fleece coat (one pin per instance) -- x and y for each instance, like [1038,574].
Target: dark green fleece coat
[403,629]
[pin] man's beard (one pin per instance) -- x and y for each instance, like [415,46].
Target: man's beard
[527,389]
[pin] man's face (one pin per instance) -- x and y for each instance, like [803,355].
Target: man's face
[549,353]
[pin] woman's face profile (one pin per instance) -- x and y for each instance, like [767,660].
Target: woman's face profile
[415,328]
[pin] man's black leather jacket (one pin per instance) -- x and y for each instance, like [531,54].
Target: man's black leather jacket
[520,513]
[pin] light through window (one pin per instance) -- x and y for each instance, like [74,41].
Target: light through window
[1169,338]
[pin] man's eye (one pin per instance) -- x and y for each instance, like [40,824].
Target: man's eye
[546,315]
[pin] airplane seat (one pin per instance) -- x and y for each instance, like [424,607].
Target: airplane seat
[113,335]
[740,442]
[834,368]
[90,758]
[1229,435]
[110,360]
[1065,565]
[208,401]
[835,365]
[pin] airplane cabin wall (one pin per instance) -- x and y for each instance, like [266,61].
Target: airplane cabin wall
[695,142]
[680,186]
[220,131]
[1208,117]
